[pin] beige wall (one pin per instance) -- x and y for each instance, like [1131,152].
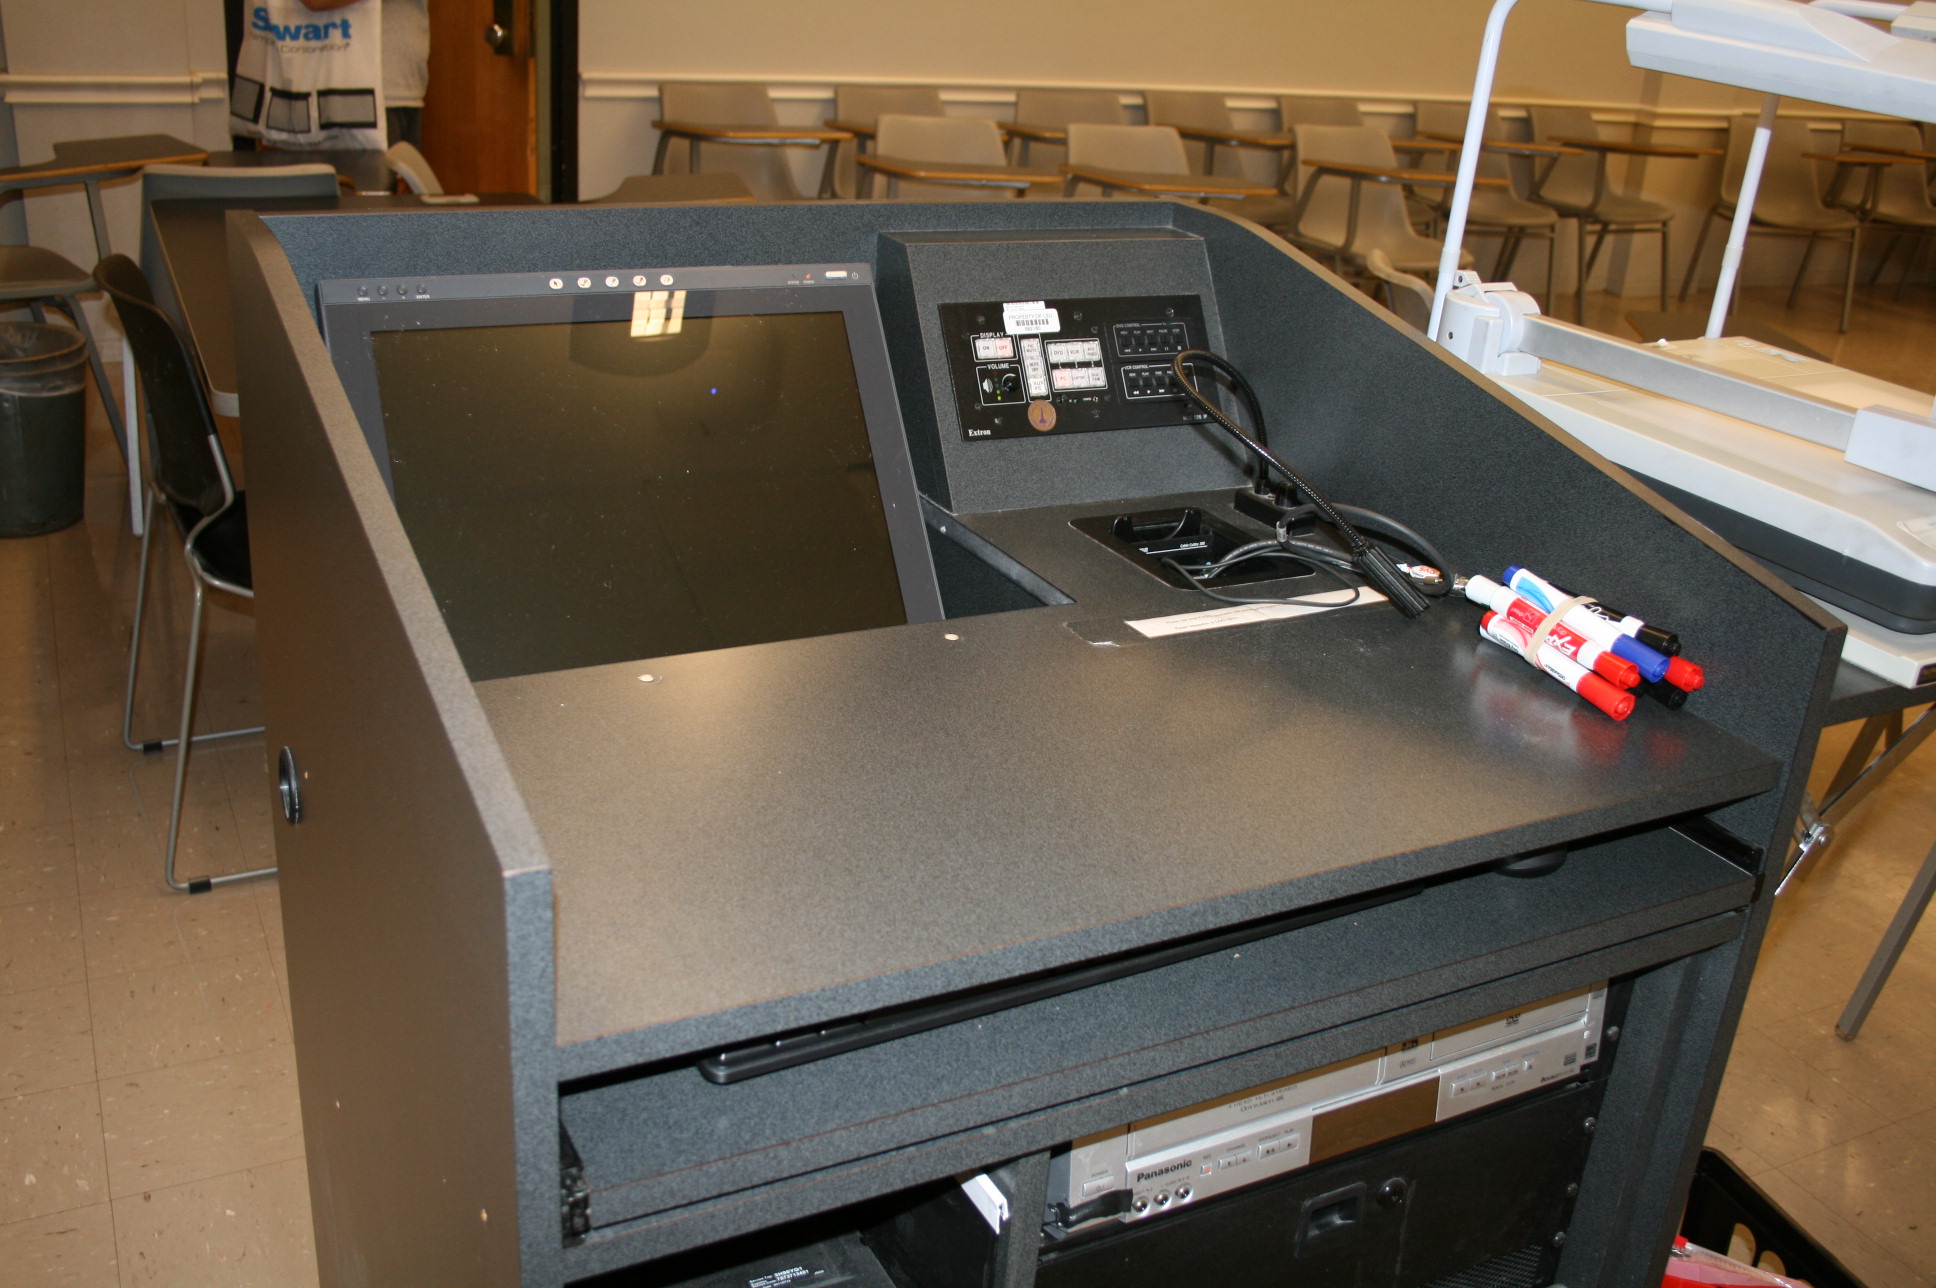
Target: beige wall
[1386,53]
[1554,48]
[81,69]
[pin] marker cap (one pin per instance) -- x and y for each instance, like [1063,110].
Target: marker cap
[1665,642]
[1666,694]
[1652,665]
[1683,674]
[1615,702]
[1481,589]
[1618,671]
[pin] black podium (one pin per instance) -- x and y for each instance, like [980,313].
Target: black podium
[653,962]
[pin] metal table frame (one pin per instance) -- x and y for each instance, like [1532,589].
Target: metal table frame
[1880,707]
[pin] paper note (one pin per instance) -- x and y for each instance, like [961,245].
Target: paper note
[1216,619]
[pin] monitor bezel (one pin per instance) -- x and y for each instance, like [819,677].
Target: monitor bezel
[354,310]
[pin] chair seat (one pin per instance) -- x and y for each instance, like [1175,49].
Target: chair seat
[223,549]
[1414,254]
[1904,212]
[1497,208]
[30,273]
[1615,208]
[1268,211]
[1827,220]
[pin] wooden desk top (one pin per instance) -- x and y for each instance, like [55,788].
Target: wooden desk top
[776,135]
[1638,149]
[1434,178]
[1510,147]
[958,172]
[1896,152]
[1172,185]
[1863,157]
[85,158]
[1035,133]
[1271,139]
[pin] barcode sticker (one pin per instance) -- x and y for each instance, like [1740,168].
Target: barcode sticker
[1030,317]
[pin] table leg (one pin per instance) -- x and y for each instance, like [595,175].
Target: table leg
[1894,940]
[100,217]
[659,156]
[827,169]
[1859,753]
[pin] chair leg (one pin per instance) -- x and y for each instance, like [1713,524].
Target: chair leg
[1912,262]
[1888,252]
[184,744]
[1808,250]
[1663,267]
[1579,294]
[134,636]
[1552,260]
[125,441]
[153,746]
[1508,252]
[1694,263]
[1599,242]
[1848,285]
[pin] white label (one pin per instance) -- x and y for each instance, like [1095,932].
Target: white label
[1249,614]
[988,1200]
[1030,317]
[1923,529]
[657,313]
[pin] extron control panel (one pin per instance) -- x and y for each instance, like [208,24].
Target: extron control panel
[1024,368]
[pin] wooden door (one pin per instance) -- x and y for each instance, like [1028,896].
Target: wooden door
[481,112]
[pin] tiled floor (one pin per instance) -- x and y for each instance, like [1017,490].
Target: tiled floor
[148,1115]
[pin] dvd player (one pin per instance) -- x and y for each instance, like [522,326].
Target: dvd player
[1142,1169]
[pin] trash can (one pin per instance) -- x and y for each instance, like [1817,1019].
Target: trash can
[43,419]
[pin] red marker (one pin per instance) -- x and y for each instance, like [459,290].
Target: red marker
[1510,635]
[1601,660]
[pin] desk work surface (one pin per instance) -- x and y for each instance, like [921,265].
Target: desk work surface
[82,158]
[780,834]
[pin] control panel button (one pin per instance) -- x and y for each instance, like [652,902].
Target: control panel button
[1136,338]
[993,348]
[1075,351]
[1035,367]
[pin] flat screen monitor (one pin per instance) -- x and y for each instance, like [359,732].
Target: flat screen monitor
[607,466]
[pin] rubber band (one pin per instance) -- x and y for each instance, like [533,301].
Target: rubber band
[1552,619]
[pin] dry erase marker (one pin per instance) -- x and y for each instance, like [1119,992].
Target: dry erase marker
[1588,653]
[1597,624]
[1509,635]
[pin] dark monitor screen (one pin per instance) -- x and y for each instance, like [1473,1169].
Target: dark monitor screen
[580,489]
